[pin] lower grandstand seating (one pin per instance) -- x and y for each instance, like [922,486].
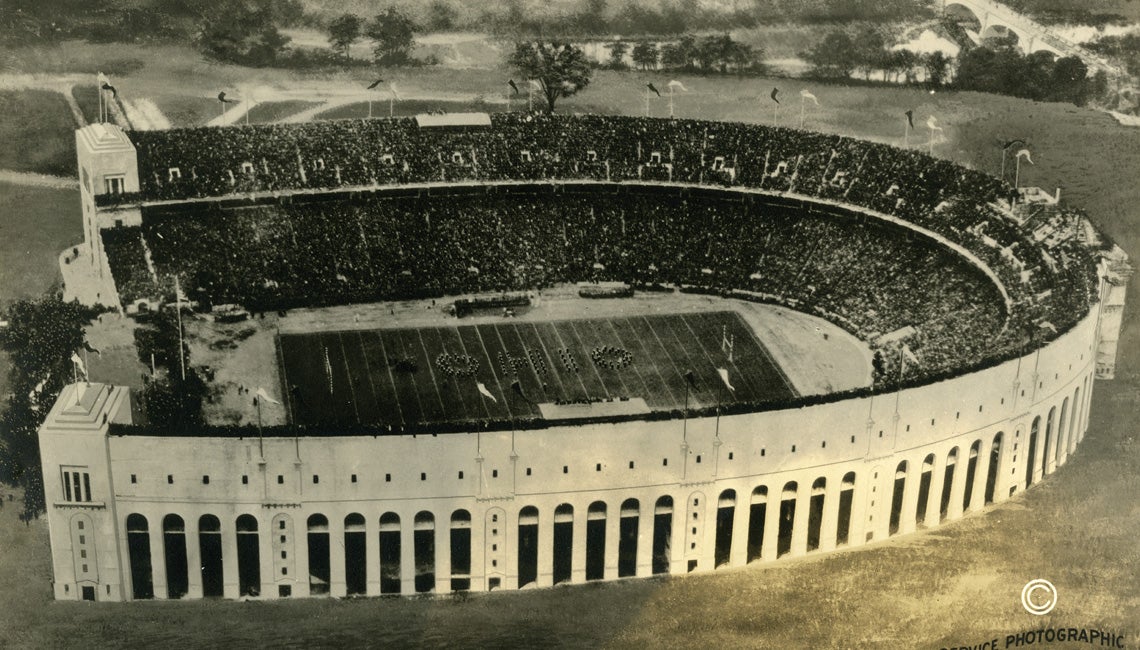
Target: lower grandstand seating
[300,251]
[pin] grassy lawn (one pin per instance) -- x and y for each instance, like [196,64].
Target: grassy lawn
[38,133]
[274,111]
[957,585]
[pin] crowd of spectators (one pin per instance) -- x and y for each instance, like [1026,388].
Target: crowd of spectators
[359,246]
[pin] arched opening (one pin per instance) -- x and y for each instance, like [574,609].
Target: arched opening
[995,463]
[846,498]
[596,541]
[948,483]
[662,534]
[390,577]
[1062,433]
[971,471]
[528,546]
[174,549]
[725,509]
[423,541]
[815,512]
[319,566]
[757,513]
[563,542]
[138,547]
[1031,455]
[924,481]
[787,518]
[999,36]
[1074,423]
[210,550]
[962,16]
[897,498]
[460,541]
[627,538]
[1045,447]
[355,555]
[249,556]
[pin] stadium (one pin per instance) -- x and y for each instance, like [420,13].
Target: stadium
[474,352]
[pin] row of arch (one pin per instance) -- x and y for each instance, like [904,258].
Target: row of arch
[569,548]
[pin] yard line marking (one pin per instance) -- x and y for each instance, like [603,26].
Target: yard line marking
[550,367]
[491,363]
[582,347]
[450,384]
[558,335]
[348,373]
[633,366]
[434,383]
[391,377]
[499,333]
[463,345]
[411,377]
[712,363]
[285,380]
[533,372]
[770,359]
[591,327]
[556,367]
[672,362]
[368,373]
[649,354]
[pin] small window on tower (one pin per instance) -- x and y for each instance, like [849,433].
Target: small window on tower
[173,174]
[247,168]
[525,155]
[591,156]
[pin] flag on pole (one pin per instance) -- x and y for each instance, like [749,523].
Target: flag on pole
[79,364]
[1025,153]
[535,84]
[486,393]
[262,395]
[222,98]
[373,85]
[807,95]
[932,124]
[392,87]
[101,79]
[653,88]
[910,118]
[514,87]
[1007,145]
[91,348]
[678,85]
[114,93]
[775,91]
[723,372]
[908,354]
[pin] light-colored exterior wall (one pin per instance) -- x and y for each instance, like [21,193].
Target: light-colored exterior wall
[869,437]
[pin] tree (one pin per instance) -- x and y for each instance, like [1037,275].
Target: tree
[870,51]
[680,54]
[592,19]
[343,32]
[618,50]
[645,55]
[937,66]
[239,32]
[561,69]
[441,16]
[835,56]
[393,34]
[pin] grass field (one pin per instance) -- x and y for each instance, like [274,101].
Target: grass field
[411,107]
[406,376]
[274,111]
[953,586]
[38,133]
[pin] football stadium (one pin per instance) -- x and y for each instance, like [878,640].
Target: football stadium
[473,352]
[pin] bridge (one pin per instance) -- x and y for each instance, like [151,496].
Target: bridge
[995,20]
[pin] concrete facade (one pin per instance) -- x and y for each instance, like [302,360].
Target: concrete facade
[181,516]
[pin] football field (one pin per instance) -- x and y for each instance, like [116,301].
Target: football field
[505,369]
